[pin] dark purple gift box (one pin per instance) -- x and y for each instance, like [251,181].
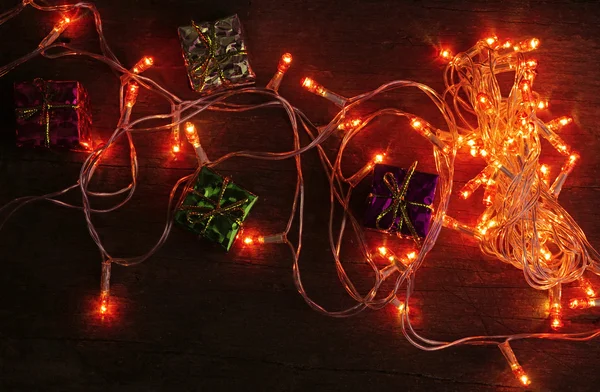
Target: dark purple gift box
[52,114]
[421,189]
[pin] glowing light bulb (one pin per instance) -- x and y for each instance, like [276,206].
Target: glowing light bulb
[527,45]
[525,87]
[559,123]
[379,158]
[131,95]
[564,173]
[587,287]
[142,65]
[584,303]
[491,41]
[191,134]
[103,308]
[554,295]
[545,173]
[446,54]
[382,250]
[58,29]
[350,124]
[532,63]
[542,104]
[317,89]
[425,130]
[411,256]
[105,287]
[398,304]
[284,64]
[248,241]
[176,148]
[516,368]
[416,123]
[484,103]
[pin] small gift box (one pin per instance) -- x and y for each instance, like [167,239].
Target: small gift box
[215,55]
[52,114]
[215,207]
[400,201]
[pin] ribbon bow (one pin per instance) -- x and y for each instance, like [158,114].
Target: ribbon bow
[399,202]
[196,214]
[44,109]
[211,60]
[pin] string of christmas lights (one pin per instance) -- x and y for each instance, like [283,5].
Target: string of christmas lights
[522,224]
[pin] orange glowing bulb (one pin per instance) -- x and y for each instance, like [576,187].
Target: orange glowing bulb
[532,63]
[411,256]
[379,158]
[175,148]
[190,128]
[132,93]
[534,43]
[142,65]
[308,83]
[416,124]
[382,250]
[556,323]
[524,380]
[488,200]
[590,292]
[248,241]
[446,54]
[544,169]
[284,62]
[587,287]
[465,194]
[491,40]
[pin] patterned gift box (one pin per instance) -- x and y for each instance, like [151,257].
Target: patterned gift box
[215,55]
[215,207]
[52,114]
[400,201]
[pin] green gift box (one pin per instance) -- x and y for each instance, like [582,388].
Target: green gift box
[215,207]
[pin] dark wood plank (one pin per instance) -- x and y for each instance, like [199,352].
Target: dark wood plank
[195,318]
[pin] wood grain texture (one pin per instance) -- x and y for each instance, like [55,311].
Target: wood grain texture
[195,318]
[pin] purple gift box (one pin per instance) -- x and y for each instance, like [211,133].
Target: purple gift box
[52,114]
[390,190]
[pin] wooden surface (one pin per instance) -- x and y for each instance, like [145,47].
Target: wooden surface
[196,318]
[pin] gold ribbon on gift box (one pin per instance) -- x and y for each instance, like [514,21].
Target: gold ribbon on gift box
[196,214]
[44,109]
[399,203]
[211,60]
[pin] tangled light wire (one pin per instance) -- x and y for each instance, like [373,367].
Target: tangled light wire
[523,223]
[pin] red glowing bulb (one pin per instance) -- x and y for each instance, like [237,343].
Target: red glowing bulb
[446,54]
[308,83]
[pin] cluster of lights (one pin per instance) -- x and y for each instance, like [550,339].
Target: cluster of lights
[531,194]
[512,177]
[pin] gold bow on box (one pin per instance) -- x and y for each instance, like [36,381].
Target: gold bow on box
[399,203]
[215,208]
